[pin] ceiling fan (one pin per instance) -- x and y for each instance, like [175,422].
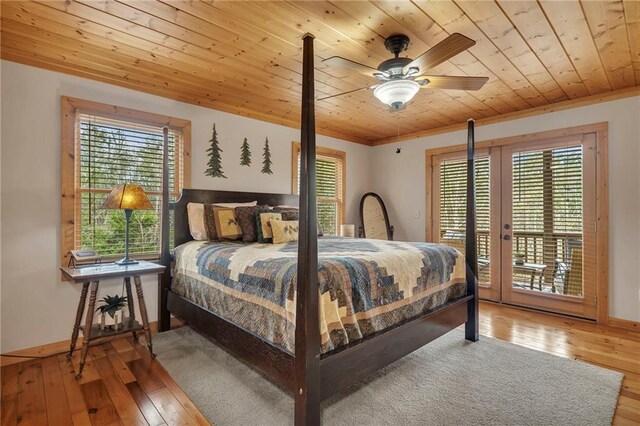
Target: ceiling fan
[402,78]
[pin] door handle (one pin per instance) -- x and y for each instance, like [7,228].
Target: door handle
[507,237]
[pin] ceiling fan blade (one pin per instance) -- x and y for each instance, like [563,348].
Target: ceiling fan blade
[339,61]
[453,82]
[346,93]
[446,49]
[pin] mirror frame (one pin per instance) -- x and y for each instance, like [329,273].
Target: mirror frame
[384,212]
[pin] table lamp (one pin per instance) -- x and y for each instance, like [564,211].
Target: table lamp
[127,197]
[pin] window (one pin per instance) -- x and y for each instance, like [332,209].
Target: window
[104,146]
[331,184]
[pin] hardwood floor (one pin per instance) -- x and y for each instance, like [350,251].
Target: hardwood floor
[122,386]
[613,348]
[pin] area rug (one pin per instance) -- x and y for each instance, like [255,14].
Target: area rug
[447,382]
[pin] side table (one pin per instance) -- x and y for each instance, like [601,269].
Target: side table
[90,276]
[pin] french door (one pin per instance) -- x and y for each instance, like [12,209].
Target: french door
[449,211]
[536,216]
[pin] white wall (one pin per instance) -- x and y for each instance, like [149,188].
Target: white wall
[400,180]
[36,307]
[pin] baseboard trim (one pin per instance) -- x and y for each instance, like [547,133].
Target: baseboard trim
[56,348]
[624,324]
[540,311]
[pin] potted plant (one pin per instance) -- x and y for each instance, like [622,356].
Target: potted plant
[113,306]
[519,258]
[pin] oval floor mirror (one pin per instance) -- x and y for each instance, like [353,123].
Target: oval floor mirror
[374,218]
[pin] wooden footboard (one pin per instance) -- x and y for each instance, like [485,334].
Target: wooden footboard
[338,369]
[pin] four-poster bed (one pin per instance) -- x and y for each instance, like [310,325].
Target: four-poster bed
[307,371]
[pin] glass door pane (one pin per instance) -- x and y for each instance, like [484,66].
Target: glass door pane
[544,211]
[453,199]
[547,220]
[450,190]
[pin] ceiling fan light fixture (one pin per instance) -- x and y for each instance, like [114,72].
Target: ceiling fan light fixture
[396,93]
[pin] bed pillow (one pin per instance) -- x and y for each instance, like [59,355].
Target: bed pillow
[292,213]
[264,227]
[226,223]
[284,231]
[246,216]
[201,222]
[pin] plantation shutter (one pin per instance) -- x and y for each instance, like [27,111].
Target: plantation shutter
[329,191]
[110,152]
[547,213]
[453,207]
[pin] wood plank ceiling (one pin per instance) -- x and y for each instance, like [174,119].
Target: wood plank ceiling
[245,57]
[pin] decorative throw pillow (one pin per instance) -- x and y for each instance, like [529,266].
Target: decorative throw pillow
[284,231]
[201,222]
[226,223]
[246,217]
[292,213]
[288,213]
[264,227]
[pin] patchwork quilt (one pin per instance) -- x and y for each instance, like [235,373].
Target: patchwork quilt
[365,286]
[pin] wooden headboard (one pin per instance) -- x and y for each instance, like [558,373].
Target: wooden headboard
[207,196]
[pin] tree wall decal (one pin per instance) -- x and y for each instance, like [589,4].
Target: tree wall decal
[266,158]
[214,168]
[245,154]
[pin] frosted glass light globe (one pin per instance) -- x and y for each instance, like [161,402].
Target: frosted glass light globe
[396,93]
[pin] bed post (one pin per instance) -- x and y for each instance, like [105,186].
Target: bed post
[307,344]
[164,318]
[471,328]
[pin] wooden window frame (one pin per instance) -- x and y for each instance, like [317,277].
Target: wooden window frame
[325,152]
[601,195]
[70,108]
